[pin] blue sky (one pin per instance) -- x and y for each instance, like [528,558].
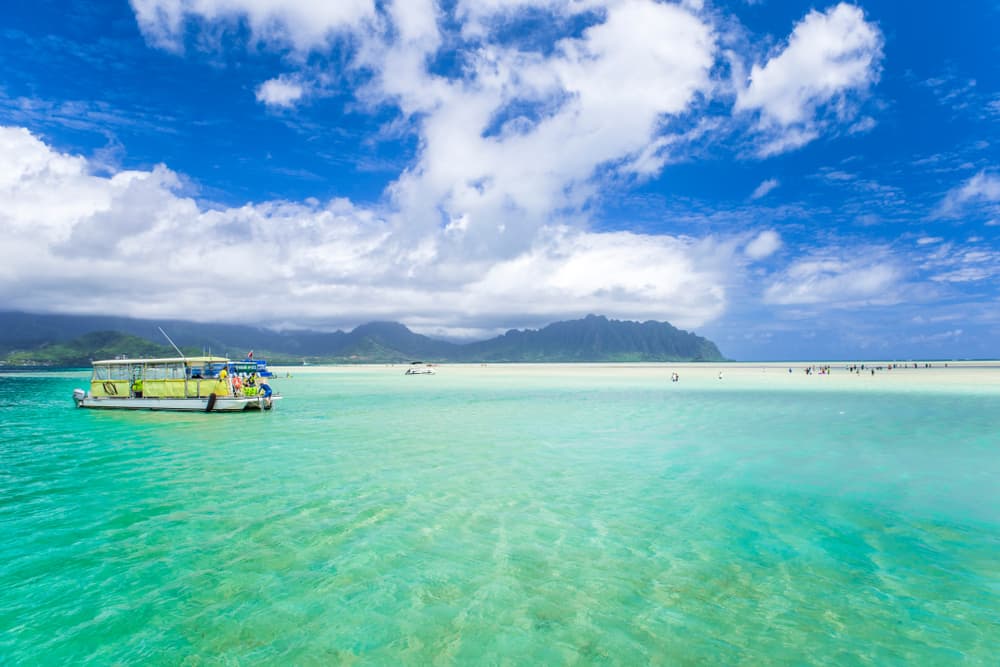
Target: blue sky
[792,180]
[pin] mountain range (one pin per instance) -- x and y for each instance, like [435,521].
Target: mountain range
[74,340]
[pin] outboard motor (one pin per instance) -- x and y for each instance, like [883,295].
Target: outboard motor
[78,396]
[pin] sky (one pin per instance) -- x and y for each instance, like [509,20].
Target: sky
[790,180]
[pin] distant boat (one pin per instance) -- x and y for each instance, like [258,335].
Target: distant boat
[189,384]
[419,368]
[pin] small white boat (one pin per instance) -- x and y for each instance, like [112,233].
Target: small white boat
[419,368]
[190,384]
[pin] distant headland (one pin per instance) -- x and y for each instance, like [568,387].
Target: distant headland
[29,339]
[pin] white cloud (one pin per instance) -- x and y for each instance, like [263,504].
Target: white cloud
[302,24]
[836,281]
[597,101]
[492,215]
[956,263]
[622,274]
[603,98]
[983,188]
[837,175]
[966,274]
[787,140]
[764,188]
[763,245]
[133,244]
[927,240]
[280,92]
[516,138]
[866,124]
[829,57]
[993,106]
[951,335]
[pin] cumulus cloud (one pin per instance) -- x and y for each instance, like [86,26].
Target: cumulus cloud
[830,57]
[763,245]
[517,137]
[493,213]
[134,244]
[280,92]
[598,101]
[649,276]
[523,135]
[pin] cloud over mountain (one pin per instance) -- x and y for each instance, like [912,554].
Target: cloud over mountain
[492,214]
[133,243]
[479,164]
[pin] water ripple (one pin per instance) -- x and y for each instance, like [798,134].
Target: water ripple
[475,521]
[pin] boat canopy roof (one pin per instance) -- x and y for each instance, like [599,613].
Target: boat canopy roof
[168,360]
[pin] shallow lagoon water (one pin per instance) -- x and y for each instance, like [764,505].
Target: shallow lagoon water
[519,514]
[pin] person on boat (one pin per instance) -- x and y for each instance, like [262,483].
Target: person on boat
[221,385]
[137,387]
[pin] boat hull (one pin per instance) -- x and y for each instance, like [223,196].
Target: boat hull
[221,404]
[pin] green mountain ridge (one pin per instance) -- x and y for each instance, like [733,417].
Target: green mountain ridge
[95,345]
[63,340]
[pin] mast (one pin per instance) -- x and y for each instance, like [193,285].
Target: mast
[172,343]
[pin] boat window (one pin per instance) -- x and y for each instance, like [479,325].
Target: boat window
[155,372]
[102,373]
[175,371]
[119,372]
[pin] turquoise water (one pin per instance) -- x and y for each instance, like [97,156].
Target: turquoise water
[518,517]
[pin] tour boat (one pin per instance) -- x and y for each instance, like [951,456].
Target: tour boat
[200,384]
[418,368]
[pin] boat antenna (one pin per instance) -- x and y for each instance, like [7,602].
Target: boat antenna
[172,343]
